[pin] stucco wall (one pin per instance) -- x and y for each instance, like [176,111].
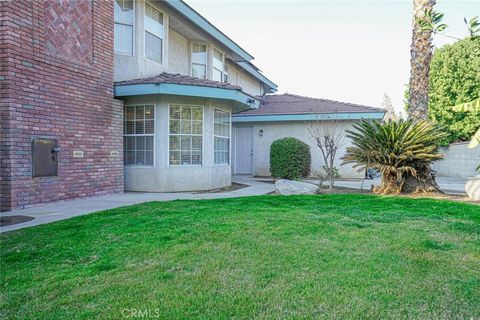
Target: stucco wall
[276,130]
[240,78]
[176,53]
[163,177]
[459,161]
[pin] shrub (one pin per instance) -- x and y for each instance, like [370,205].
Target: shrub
[398,149]
[290,159]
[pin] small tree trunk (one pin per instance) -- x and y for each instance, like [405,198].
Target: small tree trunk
[389,185]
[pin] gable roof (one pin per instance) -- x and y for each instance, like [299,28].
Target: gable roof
[197,19]
[290,107]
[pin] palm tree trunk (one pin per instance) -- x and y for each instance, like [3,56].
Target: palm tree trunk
[420,56]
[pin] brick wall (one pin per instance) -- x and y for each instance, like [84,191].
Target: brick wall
[56,80]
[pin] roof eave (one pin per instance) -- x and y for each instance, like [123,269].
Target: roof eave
[208,27]
[308,117]
[240,98]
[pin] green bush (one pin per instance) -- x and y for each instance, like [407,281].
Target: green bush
[289,159]
[455,79]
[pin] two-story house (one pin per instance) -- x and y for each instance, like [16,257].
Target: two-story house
[102,96]
[180,79]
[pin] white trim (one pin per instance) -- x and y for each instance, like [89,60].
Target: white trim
[149,3]
[196,135]
[134,38]
[222,72]
[141,135]
[206,58]
[224,137]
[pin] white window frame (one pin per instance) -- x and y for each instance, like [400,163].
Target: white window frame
[206,58]
[148,3]
[179,134]
[137,135]
[134,2]
[222,72]
[229,138]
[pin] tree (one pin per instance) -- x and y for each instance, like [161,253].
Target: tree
[399,149]
[388,106]
[472,106]
[455,79]
[420,56]
[328,136]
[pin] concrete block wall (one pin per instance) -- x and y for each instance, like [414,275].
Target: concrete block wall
[58,85]
[459,161]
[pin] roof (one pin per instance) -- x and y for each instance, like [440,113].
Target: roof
[205,25]
[290,107]
[176,78]
[279,104]
[180,85]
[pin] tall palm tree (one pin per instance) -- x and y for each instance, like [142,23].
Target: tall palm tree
[420,56]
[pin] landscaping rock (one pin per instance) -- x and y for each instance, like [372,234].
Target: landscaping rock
[289,187]
[472,188]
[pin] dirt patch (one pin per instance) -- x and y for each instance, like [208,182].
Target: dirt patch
[11,220]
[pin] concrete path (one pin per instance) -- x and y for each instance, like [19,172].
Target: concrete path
[452,186]
[68,209]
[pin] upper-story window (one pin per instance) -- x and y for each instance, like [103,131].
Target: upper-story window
[217,72]
[154,34]
[225,73]
[124,26]
[199,60]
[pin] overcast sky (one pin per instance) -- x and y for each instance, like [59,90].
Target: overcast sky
[353,51]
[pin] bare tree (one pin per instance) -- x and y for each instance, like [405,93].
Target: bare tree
[328,136]
[388,106]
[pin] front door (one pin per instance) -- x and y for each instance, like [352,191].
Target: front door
[243,149]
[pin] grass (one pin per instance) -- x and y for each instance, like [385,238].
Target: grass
[329,256]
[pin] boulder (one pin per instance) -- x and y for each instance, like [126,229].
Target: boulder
[472,188]
[288,187]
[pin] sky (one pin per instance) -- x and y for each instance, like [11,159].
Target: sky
[352,51]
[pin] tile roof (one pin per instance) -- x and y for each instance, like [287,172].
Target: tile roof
[283,104]
[179,79]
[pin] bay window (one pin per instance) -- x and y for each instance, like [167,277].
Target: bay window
[154,34]
[185,135]
[139,129]
[123,33]
[221,123]
[199,60]
[217,72]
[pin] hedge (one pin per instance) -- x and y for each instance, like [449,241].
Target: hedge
[290,159]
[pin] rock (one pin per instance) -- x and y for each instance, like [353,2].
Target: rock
[472,188]
[288,187]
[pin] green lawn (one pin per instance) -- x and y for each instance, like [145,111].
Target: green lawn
[270,257]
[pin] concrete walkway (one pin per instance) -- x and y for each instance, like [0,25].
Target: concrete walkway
[452,186]
[68,209]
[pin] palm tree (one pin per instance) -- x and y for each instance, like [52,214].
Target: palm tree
[420,56]
[399,149]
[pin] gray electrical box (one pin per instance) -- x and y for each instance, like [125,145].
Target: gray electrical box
[45,154]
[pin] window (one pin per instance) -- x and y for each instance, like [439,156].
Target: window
[186,135]
[124,26]
[225,74]
[221,123]
[139,135]
[199,60]
[153,34]
[217,72]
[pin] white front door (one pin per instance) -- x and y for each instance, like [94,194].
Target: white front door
[243,149]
